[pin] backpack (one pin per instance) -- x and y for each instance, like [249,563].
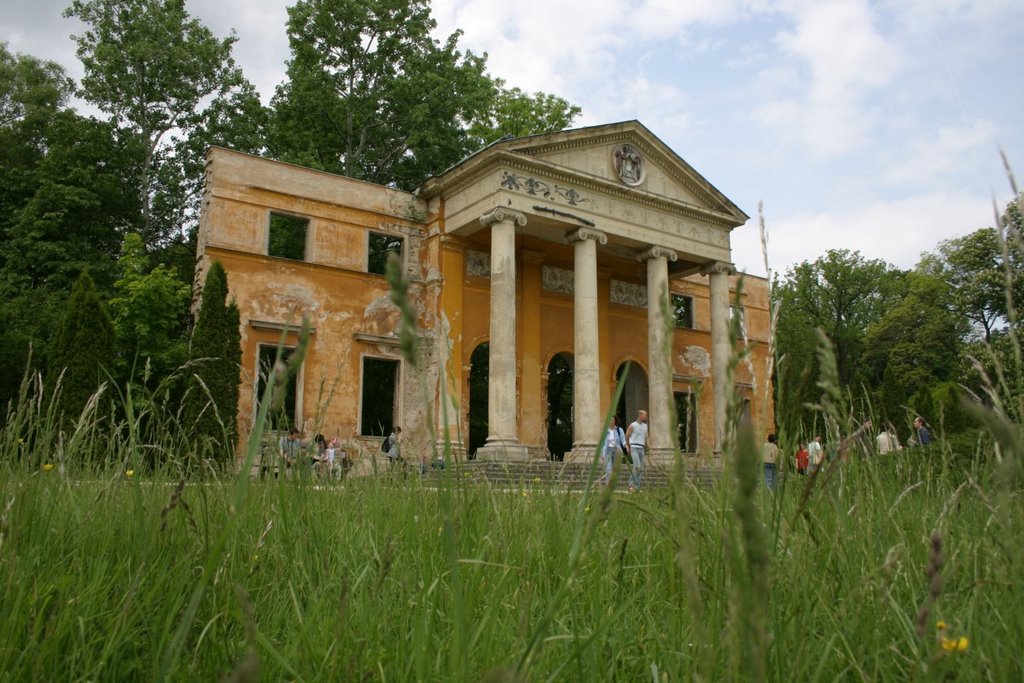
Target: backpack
[385,446]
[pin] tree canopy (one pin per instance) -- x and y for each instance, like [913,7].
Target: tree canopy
[372,95]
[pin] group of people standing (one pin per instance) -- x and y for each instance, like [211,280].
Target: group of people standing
[809,457]
[631,443]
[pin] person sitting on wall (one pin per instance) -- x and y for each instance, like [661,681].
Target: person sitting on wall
[290,446]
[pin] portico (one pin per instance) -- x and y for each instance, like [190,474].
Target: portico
[615,205]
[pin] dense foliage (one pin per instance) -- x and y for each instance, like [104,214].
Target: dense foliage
[906,342]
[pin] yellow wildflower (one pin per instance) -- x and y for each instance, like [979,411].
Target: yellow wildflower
[586,509]
[47,467]
[955,644]
[129,473]
[940,625]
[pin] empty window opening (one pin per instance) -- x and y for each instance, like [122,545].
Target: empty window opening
[682,306]
[287,237]
[380,248]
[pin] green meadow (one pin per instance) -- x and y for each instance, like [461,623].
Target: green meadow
[880,568]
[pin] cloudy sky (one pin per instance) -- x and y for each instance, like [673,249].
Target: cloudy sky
[871,125]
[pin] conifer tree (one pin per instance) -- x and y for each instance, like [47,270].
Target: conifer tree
[217,346]
[83,347]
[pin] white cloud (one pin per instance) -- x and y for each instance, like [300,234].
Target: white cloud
[838,58]
[897,231]
[927,159]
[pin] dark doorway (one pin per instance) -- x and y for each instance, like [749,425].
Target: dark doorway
[283,418]
[379,396]
[559,406]
[479,364]
[634,393]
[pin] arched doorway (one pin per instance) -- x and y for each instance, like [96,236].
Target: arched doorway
[479,364]
[559,406]
[634,394]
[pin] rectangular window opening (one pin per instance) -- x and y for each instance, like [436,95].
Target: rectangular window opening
[379,396]
[287,237]
[738,317]
[380,248]
[284,417]
[682,306]
[686,414]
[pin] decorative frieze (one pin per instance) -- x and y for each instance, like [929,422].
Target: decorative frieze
[539,188]
[557,279]
[628,294]
[478,263]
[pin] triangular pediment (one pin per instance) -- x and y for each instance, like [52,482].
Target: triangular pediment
[624,157]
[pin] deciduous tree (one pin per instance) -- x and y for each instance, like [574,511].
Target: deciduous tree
[153,68]
[372,95]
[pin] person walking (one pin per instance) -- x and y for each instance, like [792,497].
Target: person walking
[770,457]
[394,446]
[802,458]
[636,443]
[614,444]
[886,441]
[924,435]
[815,454]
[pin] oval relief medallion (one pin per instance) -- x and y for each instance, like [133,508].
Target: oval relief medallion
[629,165]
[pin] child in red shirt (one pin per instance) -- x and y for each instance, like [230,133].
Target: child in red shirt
[801,459]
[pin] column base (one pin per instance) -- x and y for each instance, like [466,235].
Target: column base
[581,452]
[665,457]
[501,450]
[458,449]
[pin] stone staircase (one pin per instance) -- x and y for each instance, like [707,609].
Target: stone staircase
[569,475]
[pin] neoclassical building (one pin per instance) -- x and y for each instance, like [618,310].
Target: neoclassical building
[543,269]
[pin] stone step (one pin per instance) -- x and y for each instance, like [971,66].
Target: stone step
[568,475]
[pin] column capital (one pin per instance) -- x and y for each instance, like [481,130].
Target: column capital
[718,268]
[586,234]
[501,214]
[657,252]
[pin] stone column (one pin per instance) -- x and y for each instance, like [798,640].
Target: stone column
[502,430]
[718,274]
[586,376]
[659,352]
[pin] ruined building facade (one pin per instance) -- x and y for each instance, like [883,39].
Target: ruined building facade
[541,268]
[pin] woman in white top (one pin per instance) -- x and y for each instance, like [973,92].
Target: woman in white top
[614,443]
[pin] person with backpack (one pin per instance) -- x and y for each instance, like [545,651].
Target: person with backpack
[614,444]
[392,446]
